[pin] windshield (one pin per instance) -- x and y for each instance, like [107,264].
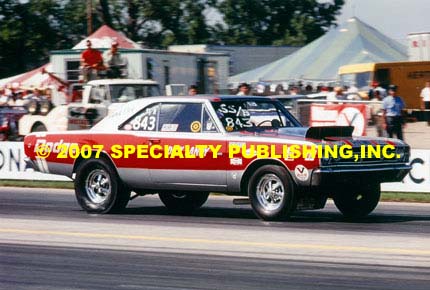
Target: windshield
[359,80]
[237,115]
[127,92]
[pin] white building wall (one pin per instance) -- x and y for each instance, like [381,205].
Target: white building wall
[419,46]
[58,62]
[183,68]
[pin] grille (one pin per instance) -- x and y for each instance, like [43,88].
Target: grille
[402,153]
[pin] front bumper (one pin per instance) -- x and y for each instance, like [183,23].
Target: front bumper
[331,176]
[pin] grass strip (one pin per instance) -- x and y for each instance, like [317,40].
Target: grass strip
[37,183]
[405,196]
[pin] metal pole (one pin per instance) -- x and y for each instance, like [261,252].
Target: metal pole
[89,17]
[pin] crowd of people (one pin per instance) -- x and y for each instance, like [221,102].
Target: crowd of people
[387,110]
[94,64]
[264,89]
[26,97]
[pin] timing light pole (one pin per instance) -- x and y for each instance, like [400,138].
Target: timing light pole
[89,17]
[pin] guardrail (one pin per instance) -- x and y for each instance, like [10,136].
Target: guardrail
[13,166]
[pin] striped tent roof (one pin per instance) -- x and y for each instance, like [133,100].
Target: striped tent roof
[31,79]
[349,43]
[103,38]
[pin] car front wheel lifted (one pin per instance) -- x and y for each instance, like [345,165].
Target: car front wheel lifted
[358,201]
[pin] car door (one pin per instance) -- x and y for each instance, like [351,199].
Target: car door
[189,128]
[137,131]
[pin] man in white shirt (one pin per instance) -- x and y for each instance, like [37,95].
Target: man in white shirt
[114,62]
[425,101]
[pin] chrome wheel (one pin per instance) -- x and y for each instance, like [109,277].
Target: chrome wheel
[270,192]
[98,186]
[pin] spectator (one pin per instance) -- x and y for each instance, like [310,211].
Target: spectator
[91,62]
[377,87]
[393,106]
[336,94]
[10,98]
[244,89]
[20,98]
[425,101]
[294,91]
[3,96]
[114,62]
[192,90]
[377,114]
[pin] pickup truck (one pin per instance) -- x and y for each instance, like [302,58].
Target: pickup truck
[99,99]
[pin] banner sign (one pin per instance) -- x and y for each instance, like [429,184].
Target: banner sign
[340,115]
[12,166]
[418,179]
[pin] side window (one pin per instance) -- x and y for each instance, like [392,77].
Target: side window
[145,120]
[185,117]
[97,94]
[208,123]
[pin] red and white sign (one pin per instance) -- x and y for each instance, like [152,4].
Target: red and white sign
[340,115]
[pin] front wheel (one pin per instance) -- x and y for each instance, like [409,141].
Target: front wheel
[271,192]
[98,188]
[359,201]
[183,202]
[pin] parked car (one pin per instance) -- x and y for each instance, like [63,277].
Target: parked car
[105,168]
[9,116]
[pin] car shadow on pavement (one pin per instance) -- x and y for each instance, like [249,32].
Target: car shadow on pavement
[246,213]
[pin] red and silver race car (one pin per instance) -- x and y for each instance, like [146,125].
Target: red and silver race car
[182,148]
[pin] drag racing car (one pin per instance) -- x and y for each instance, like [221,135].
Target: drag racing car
[183,148]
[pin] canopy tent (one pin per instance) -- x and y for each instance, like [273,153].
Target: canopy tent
[36,78]
[350,43]
[103,38]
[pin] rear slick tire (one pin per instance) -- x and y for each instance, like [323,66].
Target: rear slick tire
[98,188]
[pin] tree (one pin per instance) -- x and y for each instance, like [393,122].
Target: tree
[27,32]
[30,29]
[277,22]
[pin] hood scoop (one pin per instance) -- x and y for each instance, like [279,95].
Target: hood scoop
[318,132]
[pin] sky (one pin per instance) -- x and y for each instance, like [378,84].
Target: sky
[395,18]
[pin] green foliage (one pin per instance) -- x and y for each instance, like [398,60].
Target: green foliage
[279,22]
[30,29]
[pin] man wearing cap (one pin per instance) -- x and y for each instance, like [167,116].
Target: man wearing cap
[376,87]
[393,106]
[113,61]
[91,59]
[244,89]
